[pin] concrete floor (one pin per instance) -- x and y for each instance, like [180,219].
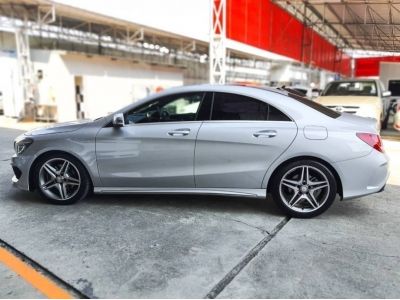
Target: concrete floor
[13,287]
[183,246]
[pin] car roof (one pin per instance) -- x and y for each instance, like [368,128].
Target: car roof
[232,88]
[285,100]
[259,92]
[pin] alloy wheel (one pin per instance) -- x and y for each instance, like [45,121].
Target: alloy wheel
[304,188]
[59,179]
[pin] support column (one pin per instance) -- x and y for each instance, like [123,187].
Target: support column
[217,42]
[25,72]
[27,79]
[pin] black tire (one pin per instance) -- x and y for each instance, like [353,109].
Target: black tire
[85,185]
[280,193]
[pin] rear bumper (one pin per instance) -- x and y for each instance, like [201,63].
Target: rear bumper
[363,176]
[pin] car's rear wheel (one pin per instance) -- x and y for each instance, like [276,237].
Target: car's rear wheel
[304,189]
[61,179]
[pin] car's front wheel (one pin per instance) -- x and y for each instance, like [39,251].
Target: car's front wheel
[61,179]
[304,189]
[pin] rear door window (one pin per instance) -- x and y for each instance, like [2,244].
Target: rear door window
[228,107]
[314,105]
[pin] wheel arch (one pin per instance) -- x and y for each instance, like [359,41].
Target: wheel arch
[32,183]
[297,158]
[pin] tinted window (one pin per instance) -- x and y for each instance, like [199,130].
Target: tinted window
[351,88]
[237,107]
[205,107]
[318,107]
[394,87]
[276,115]
[182,107]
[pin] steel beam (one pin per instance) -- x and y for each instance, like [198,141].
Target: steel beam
[218,42]
[360,23]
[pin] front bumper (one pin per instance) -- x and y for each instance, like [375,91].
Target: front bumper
[363,176]
[20,165]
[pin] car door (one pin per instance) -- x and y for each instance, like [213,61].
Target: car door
[240,141]
[155,148]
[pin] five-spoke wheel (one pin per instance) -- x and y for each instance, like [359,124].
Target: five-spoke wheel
[61,179]
[304,188]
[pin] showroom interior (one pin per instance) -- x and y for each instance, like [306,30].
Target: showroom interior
[71,61]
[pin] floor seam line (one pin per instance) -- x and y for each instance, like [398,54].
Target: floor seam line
[42,270]
[227,279]
[262,230]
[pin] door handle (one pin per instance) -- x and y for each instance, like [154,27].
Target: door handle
[265,133]
[179,132]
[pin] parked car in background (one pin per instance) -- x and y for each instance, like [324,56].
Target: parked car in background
[209,139]
[315,92]
[361,97]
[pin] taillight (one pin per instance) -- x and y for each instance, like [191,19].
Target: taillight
[374,140]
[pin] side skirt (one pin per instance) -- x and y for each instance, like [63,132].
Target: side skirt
[255,193]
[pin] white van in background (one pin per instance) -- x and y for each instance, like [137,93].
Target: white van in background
[362,97]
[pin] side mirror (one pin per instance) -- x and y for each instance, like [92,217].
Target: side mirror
[386,94]
[118,120]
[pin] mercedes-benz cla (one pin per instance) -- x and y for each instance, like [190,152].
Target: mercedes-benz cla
[206,139]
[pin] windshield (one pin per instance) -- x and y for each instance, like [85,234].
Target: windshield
[351,88]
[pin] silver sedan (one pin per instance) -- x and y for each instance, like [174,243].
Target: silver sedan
[206,139]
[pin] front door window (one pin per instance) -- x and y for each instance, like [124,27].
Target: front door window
[183,107]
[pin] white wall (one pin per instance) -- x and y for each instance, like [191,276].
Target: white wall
[389,71]
[109,85]
[9,84]
[57,85]
[55,88]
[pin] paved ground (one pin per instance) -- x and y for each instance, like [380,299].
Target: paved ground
[11,286]
[191,247]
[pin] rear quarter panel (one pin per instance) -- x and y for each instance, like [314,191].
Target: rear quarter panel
[340,144]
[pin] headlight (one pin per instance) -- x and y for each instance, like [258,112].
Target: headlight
[21,145]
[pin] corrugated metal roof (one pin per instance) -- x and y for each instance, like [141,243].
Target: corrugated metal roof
[76,18]
[357,24]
